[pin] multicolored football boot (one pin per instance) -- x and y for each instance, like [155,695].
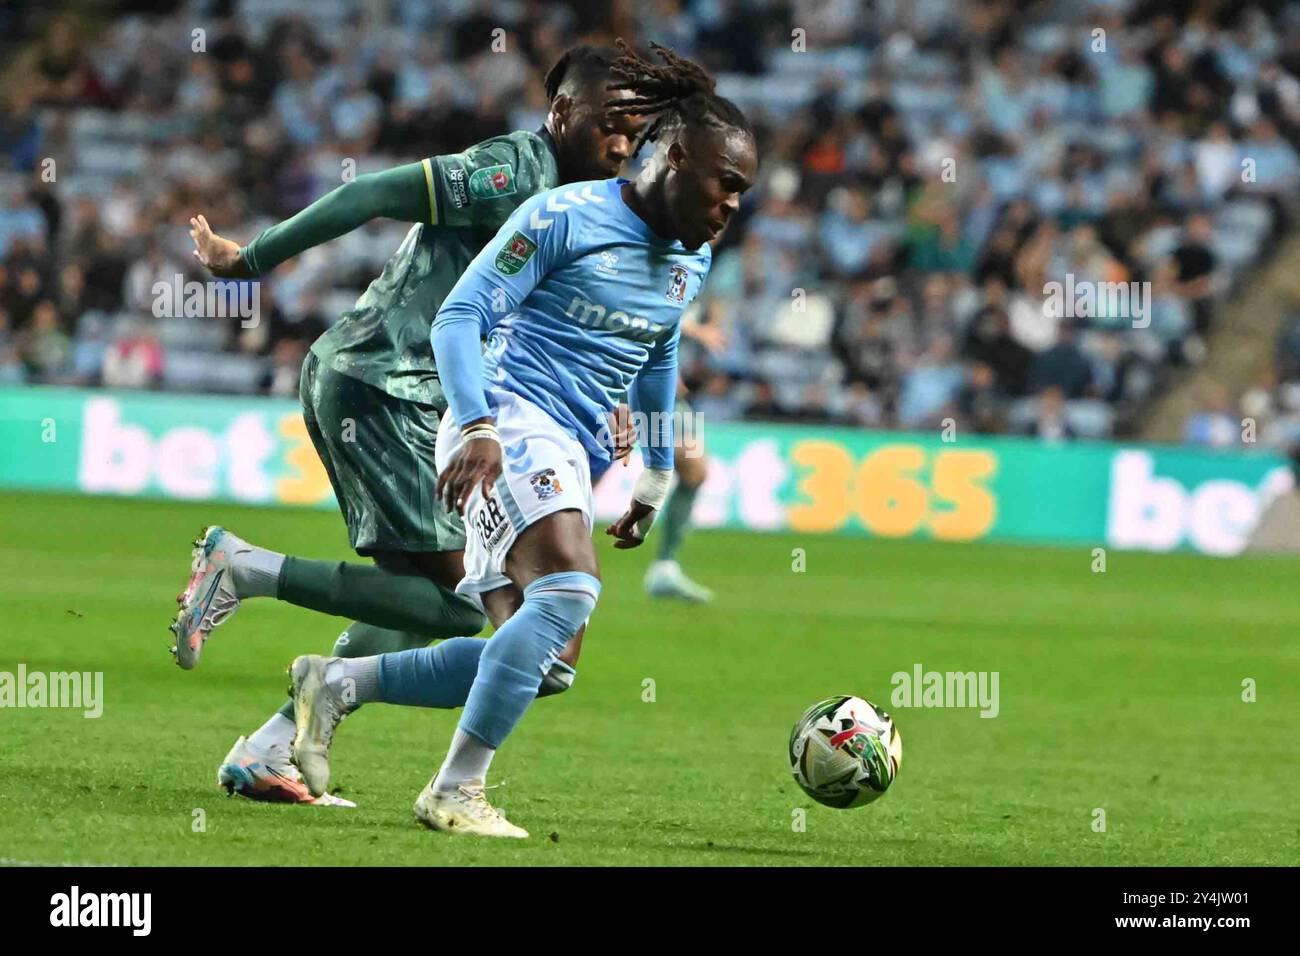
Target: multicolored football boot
[209,599]
[267,775]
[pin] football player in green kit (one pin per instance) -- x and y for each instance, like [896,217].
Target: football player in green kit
[372,401]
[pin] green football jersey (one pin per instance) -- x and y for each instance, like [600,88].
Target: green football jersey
[383,340]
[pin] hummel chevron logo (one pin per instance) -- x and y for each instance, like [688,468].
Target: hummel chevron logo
[584,197]
[572,197]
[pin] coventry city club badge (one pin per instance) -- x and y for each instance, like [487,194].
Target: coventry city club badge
[677,284]
[545,484]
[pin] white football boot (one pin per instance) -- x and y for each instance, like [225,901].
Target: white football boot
[209,599]
[464,810]
[667,579]
[268,776]
[317,712]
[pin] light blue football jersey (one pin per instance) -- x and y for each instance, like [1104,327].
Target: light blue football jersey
[580,303]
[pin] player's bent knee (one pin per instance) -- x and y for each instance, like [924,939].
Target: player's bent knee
[564,599]
[558,543]
[556,605]
[502,603]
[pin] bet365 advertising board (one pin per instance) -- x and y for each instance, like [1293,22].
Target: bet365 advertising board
[761,477]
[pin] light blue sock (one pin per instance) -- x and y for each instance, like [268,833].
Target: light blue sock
[441,676]
[437,676]
[511,667]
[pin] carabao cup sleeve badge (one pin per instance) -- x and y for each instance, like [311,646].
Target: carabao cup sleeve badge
[514,255]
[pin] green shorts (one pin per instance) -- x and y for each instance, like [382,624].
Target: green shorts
[378,451]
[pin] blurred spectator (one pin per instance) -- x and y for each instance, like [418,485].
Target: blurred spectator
[63,75]
[931,385]
[12,371]
[1217,425]
[991,344]
[1050,422]
[20,218]
[980,401]
[135,360]
[719,400]
[43,346]
[848,236]
[20,132]
[1196,263]
[1063,367]
[286,367]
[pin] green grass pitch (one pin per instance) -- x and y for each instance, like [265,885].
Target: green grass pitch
[1120,691]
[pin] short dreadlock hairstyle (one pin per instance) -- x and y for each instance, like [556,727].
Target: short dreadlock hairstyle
[678,93]
[580,64]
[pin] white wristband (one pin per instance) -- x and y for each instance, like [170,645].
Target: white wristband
[652,487]
[484,430]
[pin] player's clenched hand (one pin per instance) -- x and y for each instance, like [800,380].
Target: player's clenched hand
[219,255]
[622,431]
[626,529]
[478,462]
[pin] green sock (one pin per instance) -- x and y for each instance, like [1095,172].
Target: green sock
[676,520]
[366,640]
[367,592]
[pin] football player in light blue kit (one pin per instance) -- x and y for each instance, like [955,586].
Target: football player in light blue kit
[580,298]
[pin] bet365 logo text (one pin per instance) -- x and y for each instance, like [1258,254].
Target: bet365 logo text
[894,491]
[1157,512]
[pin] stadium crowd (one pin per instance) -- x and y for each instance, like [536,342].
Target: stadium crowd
[929,166]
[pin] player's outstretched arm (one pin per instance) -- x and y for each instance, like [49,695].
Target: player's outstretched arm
[651,398]
[400,193]
[478,188]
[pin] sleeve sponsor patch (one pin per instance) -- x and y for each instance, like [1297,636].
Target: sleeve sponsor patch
[456,187]
[492,181]
[514,255]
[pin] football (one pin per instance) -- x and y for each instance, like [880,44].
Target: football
[845,752]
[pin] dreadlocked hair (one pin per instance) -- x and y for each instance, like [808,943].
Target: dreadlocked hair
[679,93]
[580,63]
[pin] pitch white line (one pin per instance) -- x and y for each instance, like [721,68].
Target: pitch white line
[10,861]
